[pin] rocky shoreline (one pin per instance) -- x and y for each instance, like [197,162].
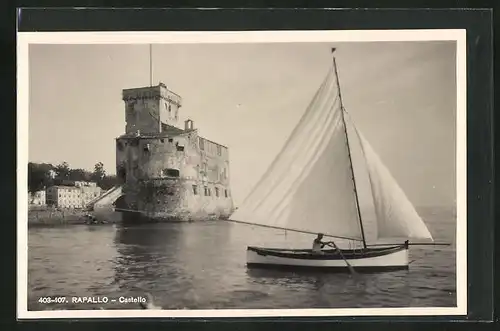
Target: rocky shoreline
[54,217]
[64,217]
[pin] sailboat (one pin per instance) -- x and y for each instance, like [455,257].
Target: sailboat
[310,187]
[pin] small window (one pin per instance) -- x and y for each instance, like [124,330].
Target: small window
[162,140]
[146,148]
[219,150]
[202,144]
[170,140]
[209,192]
[180,148]
[216,191]
[195,190]
[206,191]
[225,192]
[171,172]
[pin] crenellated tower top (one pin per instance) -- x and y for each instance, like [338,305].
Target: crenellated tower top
[150,109]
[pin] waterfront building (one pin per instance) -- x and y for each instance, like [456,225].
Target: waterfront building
[37,198]
[72,194]
[168,172]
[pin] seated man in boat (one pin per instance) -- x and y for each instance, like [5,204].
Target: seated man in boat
[318,244]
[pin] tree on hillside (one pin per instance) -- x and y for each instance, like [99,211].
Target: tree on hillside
[99,172]
[80,175]
[108,182]
[62,170]
[99,176]
[39,176]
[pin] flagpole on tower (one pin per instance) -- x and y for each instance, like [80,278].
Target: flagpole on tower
[150,64]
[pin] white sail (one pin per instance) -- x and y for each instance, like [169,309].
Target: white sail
[396,216]
[309,185]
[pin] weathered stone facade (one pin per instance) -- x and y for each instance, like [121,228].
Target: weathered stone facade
[168,172]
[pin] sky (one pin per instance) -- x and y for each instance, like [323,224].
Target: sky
[249,97]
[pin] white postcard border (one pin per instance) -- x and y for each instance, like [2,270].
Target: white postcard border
[27,38]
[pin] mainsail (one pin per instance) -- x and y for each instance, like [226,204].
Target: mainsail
[309,185]
[396,216]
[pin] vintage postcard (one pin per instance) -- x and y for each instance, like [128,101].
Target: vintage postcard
[227,174]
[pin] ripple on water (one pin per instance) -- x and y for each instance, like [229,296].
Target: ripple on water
[202,266]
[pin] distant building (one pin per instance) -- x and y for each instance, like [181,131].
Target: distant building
[73,194]
[168,172]
[37,198]
[64,196]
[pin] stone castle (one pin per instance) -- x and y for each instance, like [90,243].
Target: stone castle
[169,173]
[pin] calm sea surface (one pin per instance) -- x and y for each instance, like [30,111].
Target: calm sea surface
[202,266]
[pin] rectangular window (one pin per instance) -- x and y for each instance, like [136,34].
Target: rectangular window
[171,172]
[195,190]
[216,191]
[225,192]
[219,150]
[206,191]
[209,192]
[202,144]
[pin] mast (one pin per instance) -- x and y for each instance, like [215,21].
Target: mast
[349,151]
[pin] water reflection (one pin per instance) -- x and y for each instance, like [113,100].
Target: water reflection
[337,289]
[172,259]
[203,266]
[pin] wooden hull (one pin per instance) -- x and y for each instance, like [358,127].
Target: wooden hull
[369,259]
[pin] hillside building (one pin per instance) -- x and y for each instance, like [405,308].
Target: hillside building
[71,194]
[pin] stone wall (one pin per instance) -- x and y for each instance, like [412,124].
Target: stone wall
[166,176]
[166,171]
[146,108]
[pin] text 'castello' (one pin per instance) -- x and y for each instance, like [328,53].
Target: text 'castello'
[169,172]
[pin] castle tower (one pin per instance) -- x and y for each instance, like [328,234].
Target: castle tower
[168,171]
[150,110]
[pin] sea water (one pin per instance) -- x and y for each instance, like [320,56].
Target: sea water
[202,266]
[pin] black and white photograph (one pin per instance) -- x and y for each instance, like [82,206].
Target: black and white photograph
[203,174]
